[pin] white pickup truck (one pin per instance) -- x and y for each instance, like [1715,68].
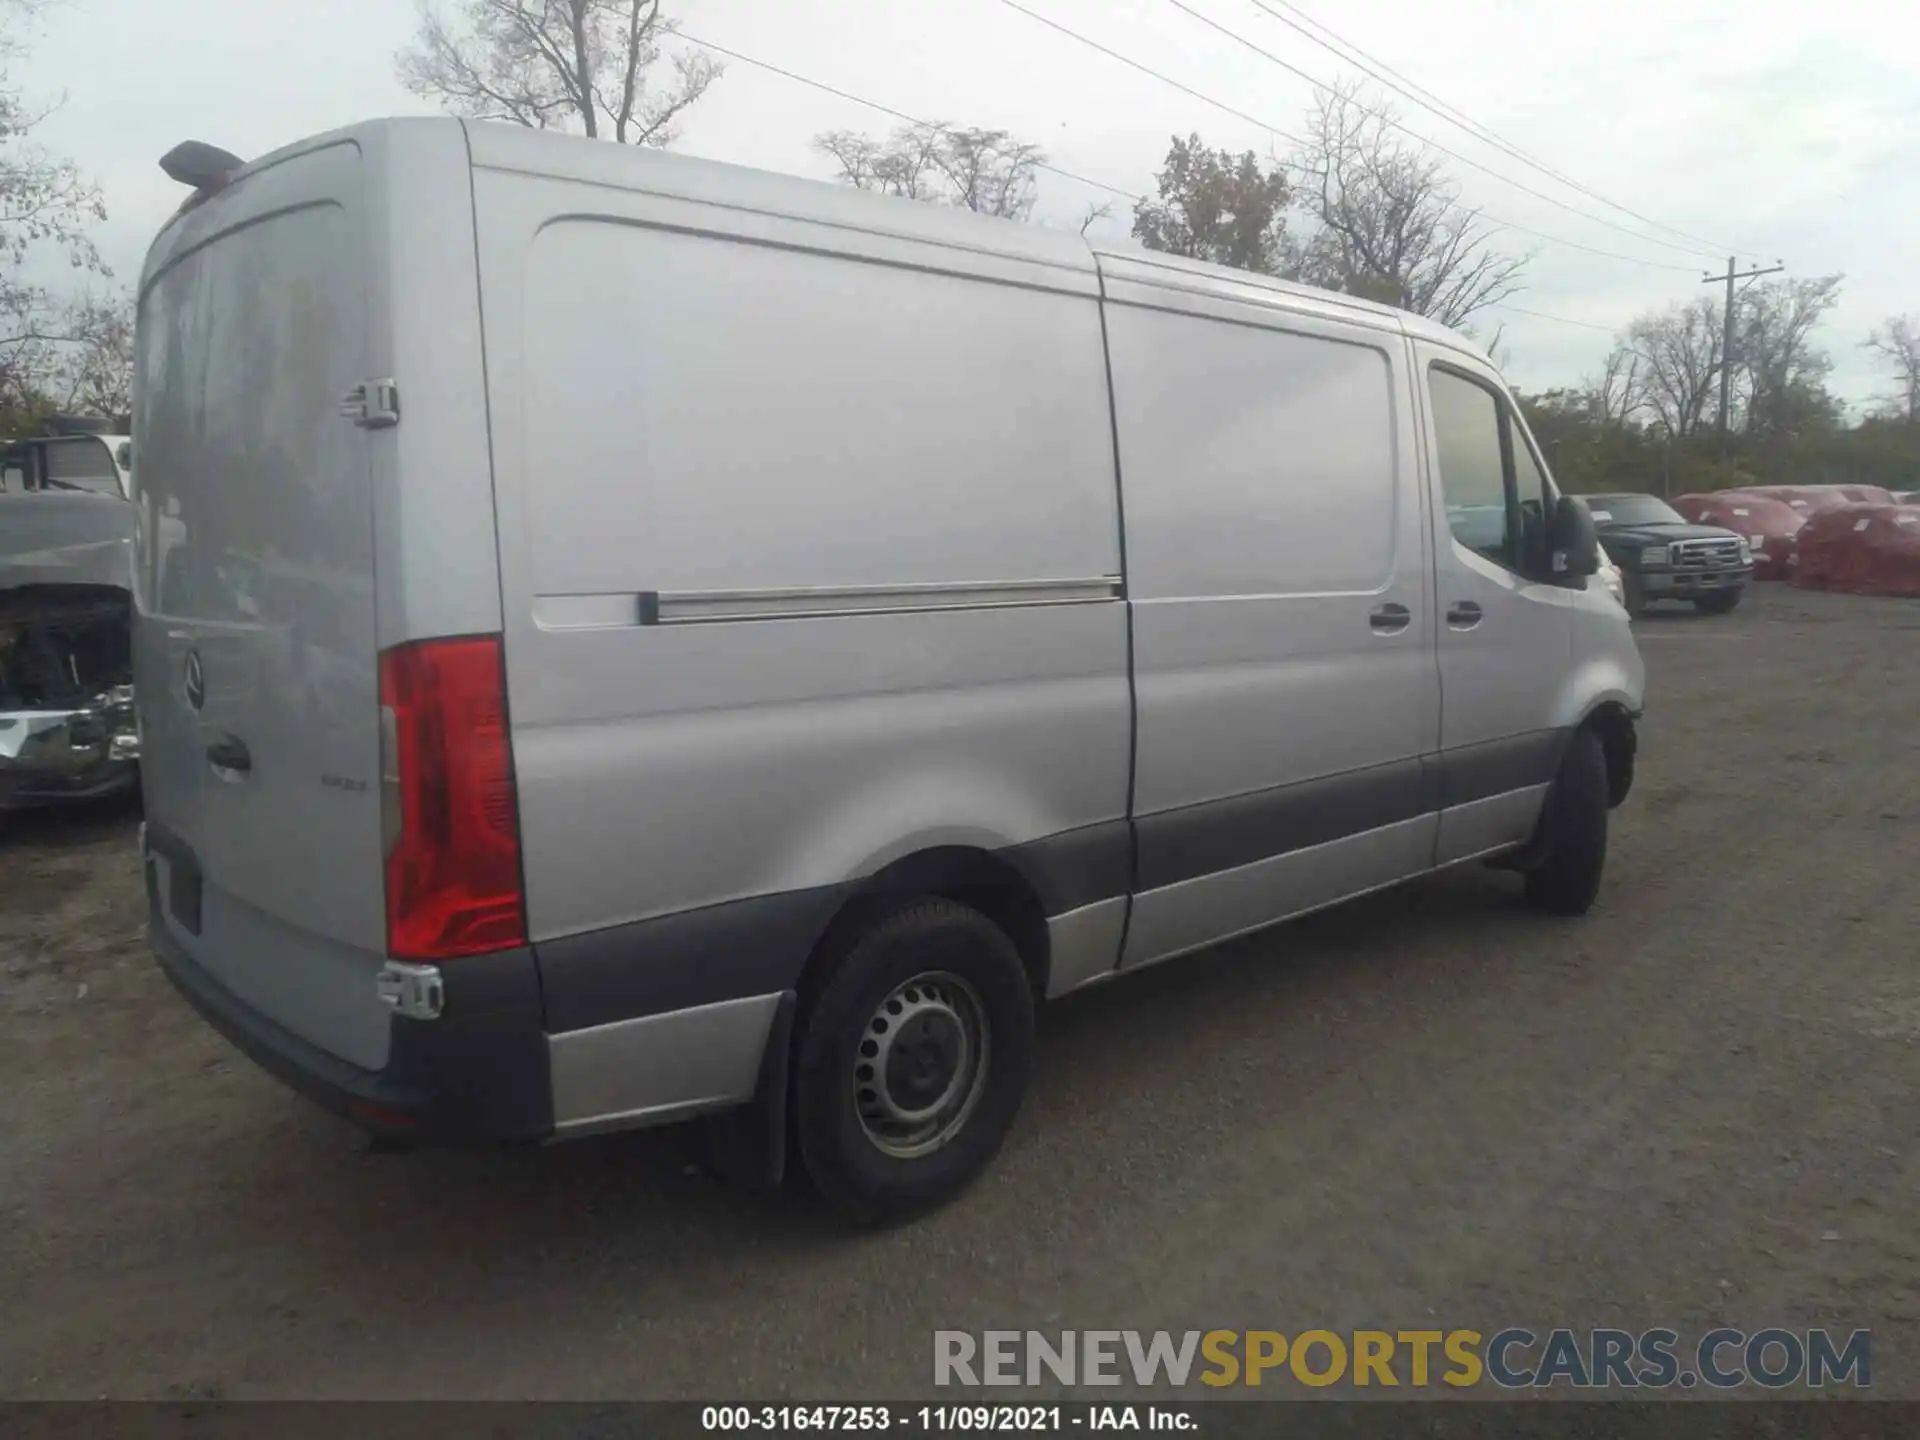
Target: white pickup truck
[67,729]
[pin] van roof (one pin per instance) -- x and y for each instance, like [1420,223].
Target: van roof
[498,146]
[501,146]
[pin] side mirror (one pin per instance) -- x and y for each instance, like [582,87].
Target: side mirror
[1573,547]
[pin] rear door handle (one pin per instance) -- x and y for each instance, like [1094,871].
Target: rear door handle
[1390,619]
[1463,615]
[230,757]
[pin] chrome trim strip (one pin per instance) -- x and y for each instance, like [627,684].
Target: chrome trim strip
[691,607]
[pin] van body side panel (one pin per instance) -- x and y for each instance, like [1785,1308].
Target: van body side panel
[810,553]
[1283,629]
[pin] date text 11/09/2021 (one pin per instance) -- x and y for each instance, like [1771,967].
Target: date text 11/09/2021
[936,1419]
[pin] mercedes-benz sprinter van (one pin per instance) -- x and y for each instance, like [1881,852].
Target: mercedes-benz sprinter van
[622,638]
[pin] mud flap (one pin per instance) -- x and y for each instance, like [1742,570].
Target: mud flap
[748,1145]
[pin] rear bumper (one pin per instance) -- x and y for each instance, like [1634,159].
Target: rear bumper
[478,1074]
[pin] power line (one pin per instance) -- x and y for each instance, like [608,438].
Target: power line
[876,105]
[1220,105]
[1392,124]
[1447,111]
[1278,133]
[822,86]
[1453,115]
[1557,319]
[862,100]
[1589,249]
[1088,180]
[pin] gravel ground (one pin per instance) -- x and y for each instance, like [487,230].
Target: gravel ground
[1694,1107]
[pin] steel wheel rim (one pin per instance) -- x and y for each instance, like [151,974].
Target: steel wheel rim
[920,1065]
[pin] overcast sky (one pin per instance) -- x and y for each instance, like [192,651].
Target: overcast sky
[1789,132]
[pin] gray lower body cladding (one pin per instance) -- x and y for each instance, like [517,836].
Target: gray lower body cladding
[759,946]
[680,1014]
[1197,840]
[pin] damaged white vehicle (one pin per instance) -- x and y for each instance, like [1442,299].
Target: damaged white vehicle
[67,728]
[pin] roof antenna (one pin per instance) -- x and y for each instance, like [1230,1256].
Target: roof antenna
[196,163]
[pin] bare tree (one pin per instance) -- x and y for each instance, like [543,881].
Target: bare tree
[1385,223]
[45,206]
[92,373]
[1679,354]
[986,171]
[1774,362]
[899,165]
[554,65]
[1095,213]
[1897,341]
[1213,205]
[1617,392]
[991,173]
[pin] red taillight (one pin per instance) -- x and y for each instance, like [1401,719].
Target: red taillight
[453,831]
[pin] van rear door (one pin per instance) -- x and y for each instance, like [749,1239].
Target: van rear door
[255,641]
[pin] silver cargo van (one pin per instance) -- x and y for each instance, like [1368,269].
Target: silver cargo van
[622,638]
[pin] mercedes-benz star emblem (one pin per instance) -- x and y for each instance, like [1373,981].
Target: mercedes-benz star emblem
[196,681]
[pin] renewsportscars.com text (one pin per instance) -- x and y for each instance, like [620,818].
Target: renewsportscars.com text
[1509,1359]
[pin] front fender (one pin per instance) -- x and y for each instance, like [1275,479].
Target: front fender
[1607,668]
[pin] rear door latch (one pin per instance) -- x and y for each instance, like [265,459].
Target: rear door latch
[372,404]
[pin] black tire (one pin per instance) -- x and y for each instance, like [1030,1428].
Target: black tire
[1719,604]
[1633,594]
[838,1113]
[1573,831]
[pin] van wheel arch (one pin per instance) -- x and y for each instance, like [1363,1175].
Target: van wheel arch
[972,877]
[1612,722]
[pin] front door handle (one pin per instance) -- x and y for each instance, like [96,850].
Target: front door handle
[1463,615]
[1390,619]
[230,757]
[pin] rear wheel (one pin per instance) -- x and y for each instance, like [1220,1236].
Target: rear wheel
[911,1059]
[1718,604]
[1573,831]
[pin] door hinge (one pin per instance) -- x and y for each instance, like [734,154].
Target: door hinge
[372,404]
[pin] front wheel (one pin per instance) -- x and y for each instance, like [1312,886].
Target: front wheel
[1573,831]
[1718,604]
[911,1059]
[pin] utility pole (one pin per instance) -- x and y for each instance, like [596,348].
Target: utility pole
[1726,332]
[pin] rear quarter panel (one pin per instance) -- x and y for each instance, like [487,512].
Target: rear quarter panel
[695,395]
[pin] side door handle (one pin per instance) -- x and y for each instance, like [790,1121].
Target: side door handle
[230,757]
[1463,615]
[1390,619]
